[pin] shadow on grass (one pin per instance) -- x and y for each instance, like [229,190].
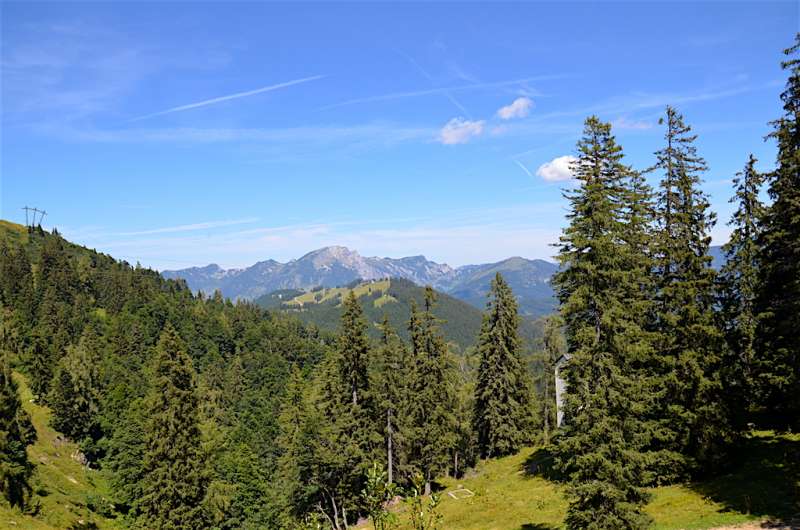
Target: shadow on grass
[541,464]
[765,478]
[531,526]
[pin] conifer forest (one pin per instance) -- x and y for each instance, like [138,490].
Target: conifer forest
[200,412]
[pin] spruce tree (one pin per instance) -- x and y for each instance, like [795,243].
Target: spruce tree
[343,435]
[391,389]
[76,394]
[430,427]
[294,413]
[739,285]
[778,344]
[16,433]
[503,418]
[693,412]
[602,289]
[174,475]
[124,457]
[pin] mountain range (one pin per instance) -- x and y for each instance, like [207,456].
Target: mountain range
[337,266]
[334,266]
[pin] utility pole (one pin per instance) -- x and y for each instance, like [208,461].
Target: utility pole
[35,211]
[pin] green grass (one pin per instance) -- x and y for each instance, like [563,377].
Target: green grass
[762,485]
[61,484]
[327,294]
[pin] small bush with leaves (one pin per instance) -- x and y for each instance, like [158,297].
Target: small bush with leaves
[422,517]
[377,495]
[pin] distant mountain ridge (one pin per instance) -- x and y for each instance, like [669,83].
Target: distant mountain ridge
[331,266]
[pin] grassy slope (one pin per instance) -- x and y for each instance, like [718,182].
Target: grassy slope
[507,497]
[360,290]
[61,484]
[764,483]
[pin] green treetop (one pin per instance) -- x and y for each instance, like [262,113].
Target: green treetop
[779,301]
[503,418]
[689,347]
[600,285]
[16,430]
[430,423]
[175,478]
[739,282]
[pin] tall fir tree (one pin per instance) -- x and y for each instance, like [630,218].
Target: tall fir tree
[292,498]
[739,285]
[16,430]
[124,458]
[429,427]
[504,407]
[602,286]
[390,391]
[778,303]
[76,395]
[174,476]
[344,437]
[693,412]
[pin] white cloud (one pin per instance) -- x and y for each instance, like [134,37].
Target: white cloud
[459,131]
[519,109]
[557,170]
[624,123]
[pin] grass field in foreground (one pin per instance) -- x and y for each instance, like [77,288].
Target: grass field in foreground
[762,485]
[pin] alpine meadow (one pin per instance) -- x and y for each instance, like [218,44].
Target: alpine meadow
[648,379]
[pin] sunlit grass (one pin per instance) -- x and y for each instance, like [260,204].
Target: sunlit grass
[61,484]
[763,485]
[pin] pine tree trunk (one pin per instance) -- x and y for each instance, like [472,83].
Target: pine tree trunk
[428,483]
[389,444]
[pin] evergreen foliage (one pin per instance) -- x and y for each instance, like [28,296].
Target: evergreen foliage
[16,433]
[390,391]
[503,419]
[602,289]
[76,394]
[174,477]
[689,360]
[739,282]
[430,427]
[778,303]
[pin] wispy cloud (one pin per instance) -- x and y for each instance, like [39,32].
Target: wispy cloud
[519,109]
[523,167]
[416,93]
[199,226]
[356,136]
[459,131]
[433,81]
[459,236]
[226,98]
[624,123]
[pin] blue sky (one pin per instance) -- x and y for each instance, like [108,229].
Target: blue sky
[186,133]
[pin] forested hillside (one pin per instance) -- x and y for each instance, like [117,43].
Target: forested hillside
[196,412]
[144,378]
[393,298]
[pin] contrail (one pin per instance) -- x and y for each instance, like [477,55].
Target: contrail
[198,226]
[430,78]
[225,98]
[523,167]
